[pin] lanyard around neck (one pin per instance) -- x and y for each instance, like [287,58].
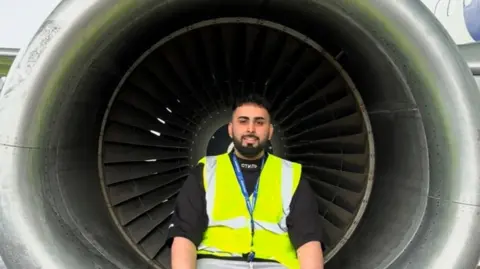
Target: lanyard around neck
[250,204]
[241,181]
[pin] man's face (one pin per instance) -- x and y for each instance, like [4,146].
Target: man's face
[250,129]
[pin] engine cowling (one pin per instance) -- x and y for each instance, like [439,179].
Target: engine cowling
[105,110]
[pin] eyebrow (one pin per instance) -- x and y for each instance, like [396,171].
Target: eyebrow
[255,118]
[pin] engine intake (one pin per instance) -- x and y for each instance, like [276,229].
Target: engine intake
[105,110]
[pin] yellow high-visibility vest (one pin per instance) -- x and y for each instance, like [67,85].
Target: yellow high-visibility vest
[229,226]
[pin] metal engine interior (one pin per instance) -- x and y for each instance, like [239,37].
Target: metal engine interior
[111,103]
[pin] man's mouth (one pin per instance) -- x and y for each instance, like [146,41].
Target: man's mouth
[249,139]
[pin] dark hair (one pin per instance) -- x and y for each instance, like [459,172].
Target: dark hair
[252,98]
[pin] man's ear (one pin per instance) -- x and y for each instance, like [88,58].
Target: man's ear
[230,131]
[271,132]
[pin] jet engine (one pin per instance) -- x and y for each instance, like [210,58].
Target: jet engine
[112,102]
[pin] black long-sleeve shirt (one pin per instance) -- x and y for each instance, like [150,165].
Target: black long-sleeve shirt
[190,218]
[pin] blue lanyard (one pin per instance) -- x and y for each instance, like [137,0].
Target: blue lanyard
[250,204]
[241,181]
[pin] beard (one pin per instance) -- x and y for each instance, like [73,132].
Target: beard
[249,150]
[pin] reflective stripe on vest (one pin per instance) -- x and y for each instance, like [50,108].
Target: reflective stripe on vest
[216,250]
[242,222]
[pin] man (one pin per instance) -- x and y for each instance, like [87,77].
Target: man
[276,226]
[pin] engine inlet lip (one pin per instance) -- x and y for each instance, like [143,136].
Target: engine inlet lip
[276,26]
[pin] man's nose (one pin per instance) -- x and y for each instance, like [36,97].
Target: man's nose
[251,128]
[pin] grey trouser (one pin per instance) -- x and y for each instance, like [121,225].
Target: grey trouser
[206,263]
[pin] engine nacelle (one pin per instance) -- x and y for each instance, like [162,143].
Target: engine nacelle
[111,103]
